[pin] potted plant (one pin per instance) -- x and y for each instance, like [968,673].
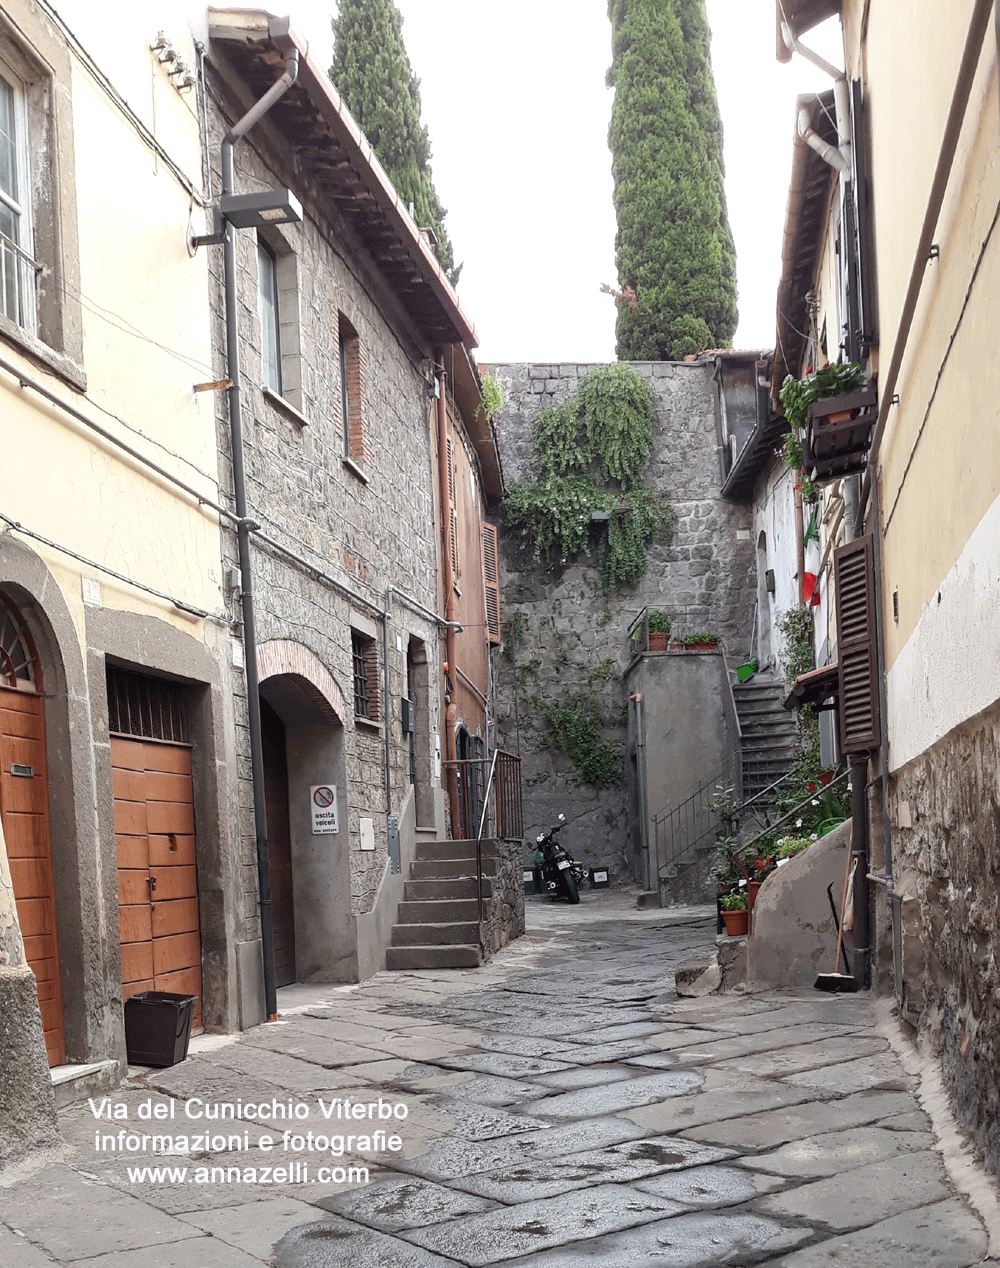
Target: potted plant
[659,630]
[703,642]
[734,912]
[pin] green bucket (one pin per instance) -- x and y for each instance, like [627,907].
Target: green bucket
[746,671]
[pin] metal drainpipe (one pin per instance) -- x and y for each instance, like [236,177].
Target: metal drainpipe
[451,676]
[640,754]
[386,618]
[239,130]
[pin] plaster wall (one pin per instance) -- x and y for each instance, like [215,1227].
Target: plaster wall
[774,516]
[688,736]
[574,638]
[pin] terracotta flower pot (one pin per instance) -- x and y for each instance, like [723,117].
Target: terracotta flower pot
[842,416]
[701,647]
[753,888]
[736,923]
[825,777]
[659,642]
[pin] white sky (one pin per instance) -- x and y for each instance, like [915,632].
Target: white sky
[514,98]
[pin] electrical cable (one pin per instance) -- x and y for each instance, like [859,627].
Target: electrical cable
[180,604]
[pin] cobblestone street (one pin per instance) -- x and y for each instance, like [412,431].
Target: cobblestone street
[565,1107]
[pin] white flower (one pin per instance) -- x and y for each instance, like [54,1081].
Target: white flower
[814,837]
[798,823]
[814,802]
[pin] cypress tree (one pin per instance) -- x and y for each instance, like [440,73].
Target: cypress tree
[372,72]
[673,246]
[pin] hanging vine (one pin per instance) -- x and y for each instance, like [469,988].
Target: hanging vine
[601,437]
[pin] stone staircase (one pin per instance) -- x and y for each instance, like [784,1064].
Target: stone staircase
[770,733]
[438,920]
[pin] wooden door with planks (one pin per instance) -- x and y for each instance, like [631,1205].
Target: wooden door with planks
[24,806]
[155,844]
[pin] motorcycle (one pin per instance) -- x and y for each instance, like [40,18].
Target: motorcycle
[555,870]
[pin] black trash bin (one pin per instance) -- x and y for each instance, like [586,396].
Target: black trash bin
[158,1027]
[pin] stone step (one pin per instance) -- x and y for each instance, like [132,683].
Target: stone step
[432,869]
[453,933]
[427,850]
[451,887]
[432,957]
[435,912]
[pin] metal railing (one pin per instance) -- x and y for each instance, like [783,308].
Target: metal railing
[684,826]
[638,634]
[490,803]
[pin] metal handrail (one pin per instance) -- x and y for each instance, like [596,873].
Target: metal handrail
[479,840]
[784,818]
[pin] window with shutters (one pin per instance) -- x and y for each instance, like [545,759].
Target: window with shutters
[491,578]
[456,571]
[856,652]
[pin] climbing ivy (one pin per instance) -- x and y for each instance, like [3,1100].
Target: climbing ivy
[796,628]
[602,436]
[574,729]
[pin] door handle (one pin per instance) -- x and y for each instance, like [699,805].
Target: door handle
[152,882]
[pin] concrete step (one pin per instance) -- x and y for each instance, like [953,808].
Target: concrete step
[427,850]
[432,957]
[451,887]
[432,869]
[441,911]
[453,933]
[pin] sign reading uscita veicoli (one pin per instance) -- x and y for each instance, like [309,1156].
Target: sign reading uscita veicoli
[323,804]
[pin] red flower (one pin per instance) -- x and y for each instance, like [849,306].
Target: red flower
[812,787]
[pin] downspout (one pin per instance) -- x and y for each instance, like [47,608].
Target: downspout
[450,676]
[640,764]
[386,618]
[279,36]
[800,548]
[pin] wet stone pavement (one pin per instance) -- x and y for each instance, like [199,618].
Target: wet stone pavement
[563,1107]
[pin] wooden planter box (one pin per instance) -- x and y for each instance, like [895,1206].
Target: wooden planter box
[838,434]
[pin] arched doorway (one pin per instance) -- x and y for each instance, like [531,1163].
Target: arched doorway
[24,805]
[303,742]
[763,605]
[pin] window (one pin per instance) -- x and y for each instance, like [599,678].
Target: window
[270,338]
[352,394]
[491,579]
[18,269]
[364,663]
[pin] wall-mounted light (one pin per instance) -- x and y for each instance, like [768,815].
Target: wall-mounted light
[268,207]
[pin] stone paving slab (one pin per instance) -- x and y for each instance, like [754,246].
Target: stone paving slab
[601,1053]
[50,1213]
[339,1243]
[710,1187]
[486,1089]
[484,1240]
[945,1235]
[404,1203]
[611,1098]
[756,1042]
[612,1034]
[860,1197]
[17,1251]
[880,1070]
[196,1250]
[686,1241]
[253,1227]
[525,1045]
[586,1076]
[808,1118]
[808,1057]
[689,1113]
[485,1122]
[834,1152]
[449,1159]
[505,1064]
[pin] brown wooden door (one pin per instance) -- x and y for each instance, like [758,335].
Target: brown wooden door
[24,803]
[279,843]
[157,872]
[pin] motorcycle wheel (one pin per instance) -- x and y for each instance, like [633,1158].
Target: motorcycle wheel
[569,885]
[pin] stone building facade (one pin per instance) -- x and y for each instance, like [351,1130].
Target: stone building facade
[569,636]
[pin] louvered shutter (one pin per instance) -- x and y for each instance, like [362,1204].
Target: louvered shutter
[453,541]
[858,669]
[491,576]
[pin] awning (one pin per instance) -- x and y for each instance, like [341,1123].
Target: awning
[814,687]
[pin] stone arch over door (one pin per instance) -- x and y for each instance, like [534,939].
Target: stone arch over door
[305,710]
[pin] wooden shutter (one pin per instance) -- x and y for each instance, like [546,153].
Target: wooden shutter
[491,576]
[858,669]
[453,542]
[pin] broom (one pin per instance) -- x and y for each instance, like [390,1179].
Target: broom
[835,981]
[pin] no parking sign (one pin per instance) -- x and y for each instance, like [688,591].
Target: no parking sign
[323,803]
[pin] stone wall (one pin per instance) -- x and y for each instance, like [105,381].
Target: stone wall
[945,814]
[366,522]
[574,637]
[503,915]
